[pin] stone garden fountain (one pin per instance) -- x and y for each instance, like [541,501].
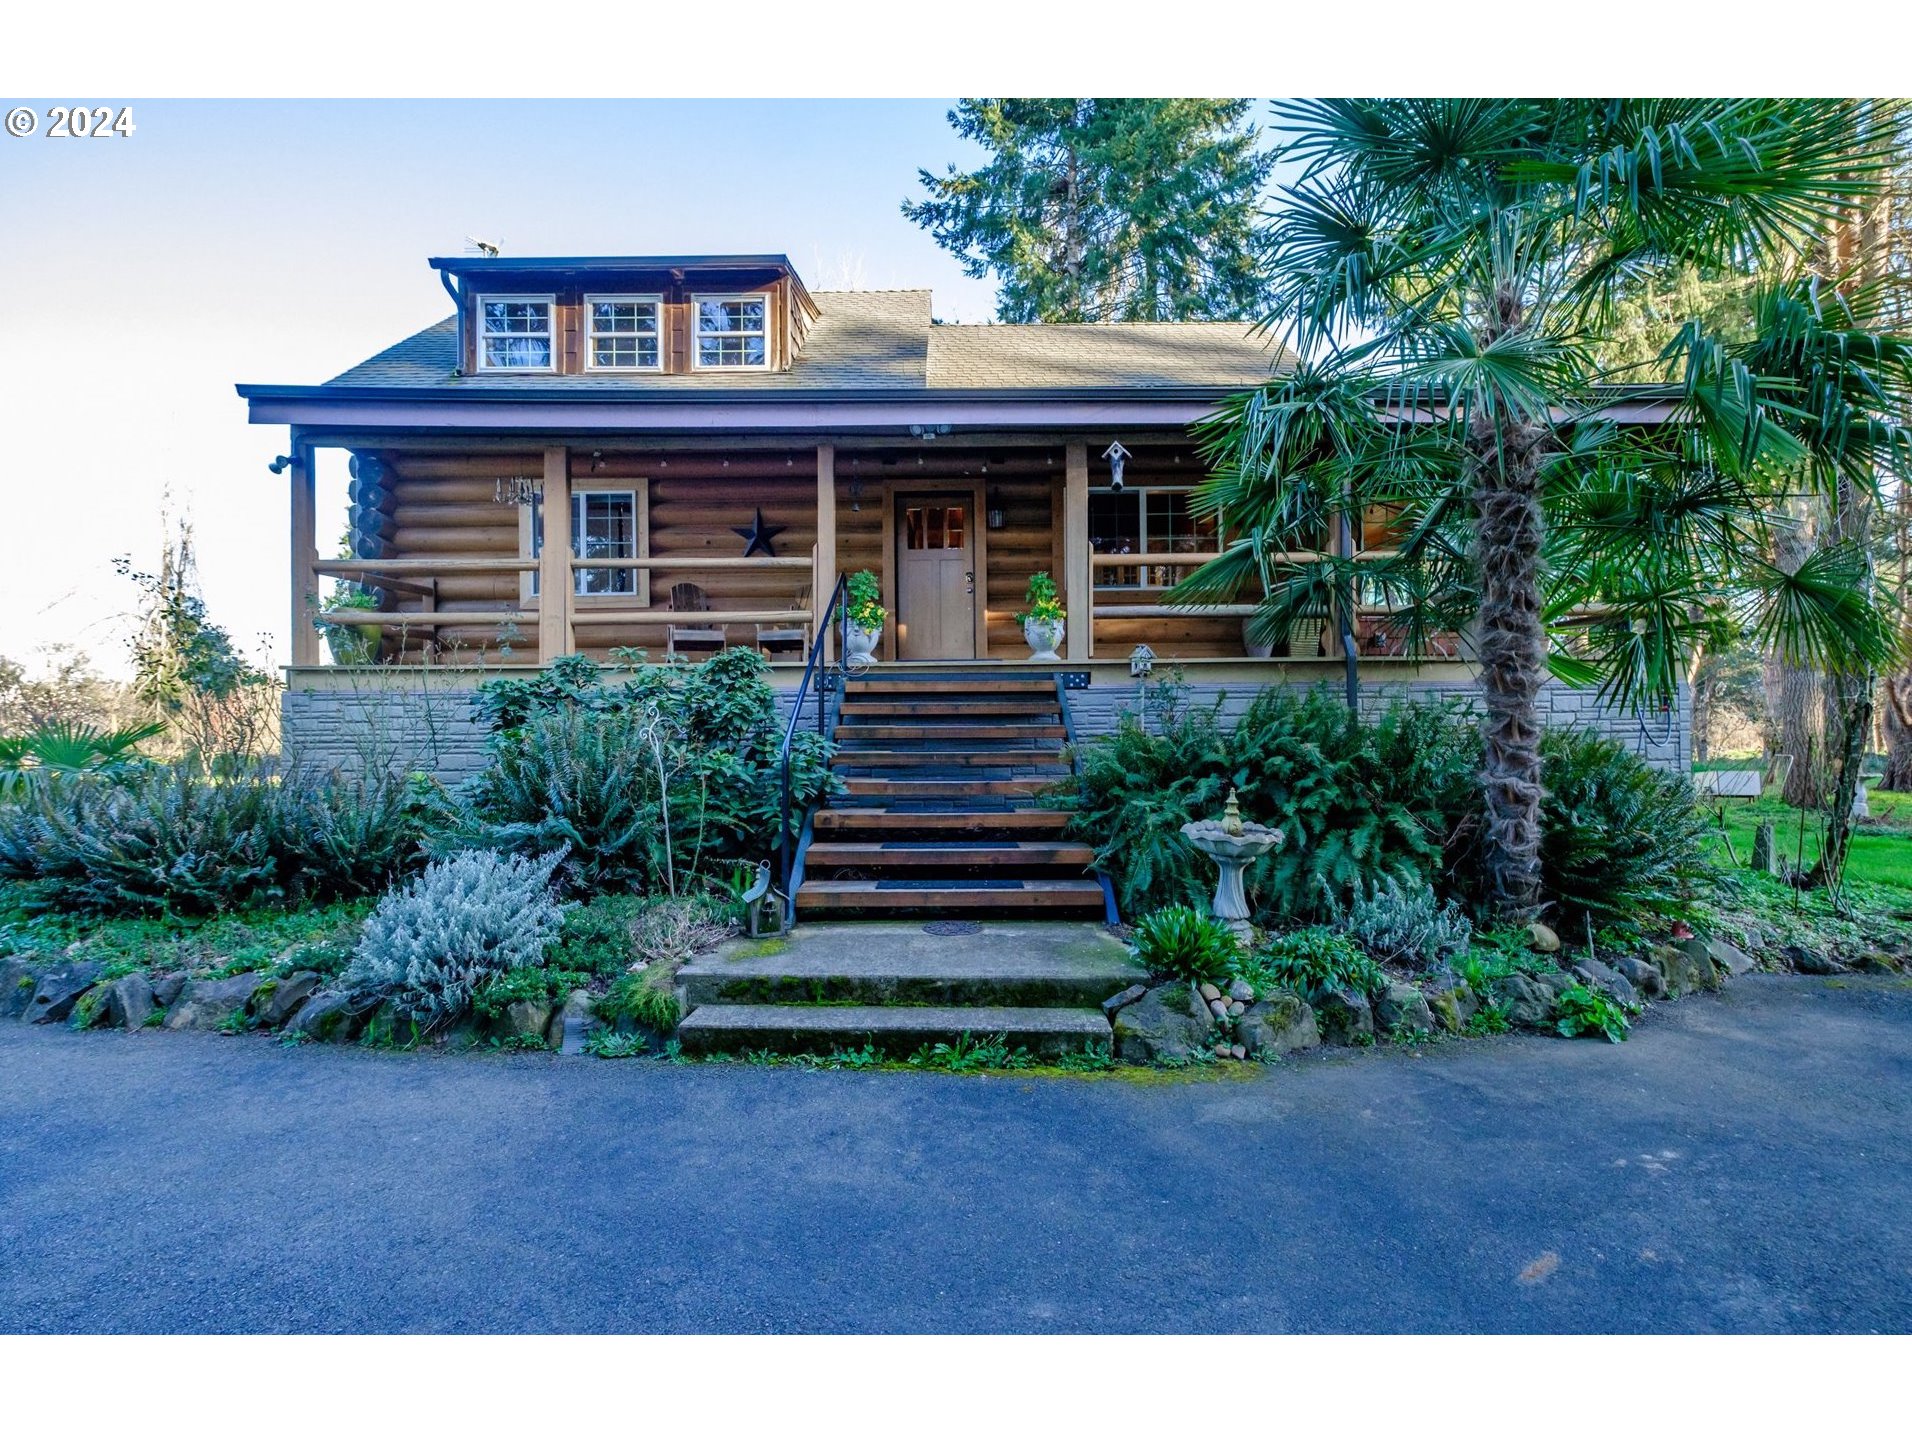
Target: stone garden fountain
[1232,844]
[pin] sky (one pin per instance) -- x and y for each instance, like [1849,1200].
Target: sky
[282,242]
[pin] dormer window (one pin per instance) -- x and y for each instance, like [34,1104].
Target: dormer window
[623,331]
[515,332]
[731,330]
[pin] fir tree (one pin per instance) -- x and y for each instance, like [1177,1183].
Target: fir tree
[1096,210]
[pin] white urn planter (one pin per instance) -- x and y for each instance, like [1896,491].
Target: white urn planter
[860,645]
[1043,637]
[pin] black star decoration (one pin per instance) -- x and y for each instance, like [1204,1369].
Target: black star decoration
[758,535]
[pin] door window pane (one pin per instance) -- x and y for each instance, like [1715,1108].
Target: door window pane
[935,528]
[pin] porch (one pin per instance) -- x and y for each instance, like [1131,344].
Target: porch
[677,551]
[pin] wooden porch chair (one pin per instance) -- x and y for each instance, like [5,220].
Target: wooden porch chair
[681,641]
[792,638]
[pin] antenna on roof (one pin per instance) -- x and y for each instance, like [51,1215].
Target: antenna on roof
[481,246]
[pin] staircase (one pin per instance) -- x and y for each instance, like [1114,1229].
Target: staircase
[940,815]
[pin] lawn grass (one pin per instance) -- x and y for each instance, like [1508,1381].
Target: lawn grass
[1881,847]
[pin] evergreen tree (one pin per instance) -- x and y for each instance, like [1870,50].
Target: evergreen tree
[1097,210]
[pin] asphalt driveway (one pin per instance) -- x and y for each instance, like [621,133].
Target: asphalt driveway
[1741,1164]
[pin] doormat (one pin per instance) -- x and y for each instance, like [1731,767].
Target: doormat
[953,928]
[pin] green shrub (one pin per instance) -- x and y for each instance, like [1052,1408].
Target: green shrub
[1185,944]
[652,782]
[1359,804]
[1408,927]
[1620,843]
[1312,961]
[644,998]
[457,926]
[1588,1011]
[194,838]
[597,934]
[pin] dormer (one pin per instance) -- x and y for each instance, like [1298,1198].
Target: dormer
[715,315]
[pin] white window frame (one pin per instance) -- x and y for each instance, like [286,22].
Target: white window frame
[656,301]
[550,302]
[639,491]
[1140,555]
[697,349]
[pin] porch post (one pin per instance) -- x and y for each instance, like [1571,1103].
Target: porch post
[305,553]
[826,563]
[1078,589]
[554,560]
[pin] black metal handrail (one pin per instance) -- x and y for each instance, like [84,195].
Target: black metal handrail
[837,607]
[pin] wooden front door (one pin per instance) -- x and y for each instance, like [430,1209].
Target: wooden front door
[935,576]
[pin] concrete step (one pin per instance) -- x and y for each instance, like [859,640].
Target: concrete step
[979,852]
[889,963]
[1045,1032]
[934,894]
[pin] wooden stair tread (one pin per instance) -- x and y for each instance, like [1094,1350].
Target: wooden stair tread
[1006,892]
[981,852]
[924,732]
[891,819]
[1008,707]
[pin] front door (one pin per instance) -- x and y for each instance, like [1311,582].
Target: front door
[935,576]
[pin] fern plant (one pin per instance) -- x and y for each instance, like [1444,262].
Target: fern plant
[1620,843]
[460,925]
[1360,805]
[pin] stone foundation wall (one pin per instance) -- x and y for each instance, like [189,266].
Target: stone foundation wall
[423,729]
[429,729]
[415,730]
[1665,742]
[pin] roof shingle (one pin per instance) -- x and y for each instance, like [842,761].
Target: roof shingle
[884,340]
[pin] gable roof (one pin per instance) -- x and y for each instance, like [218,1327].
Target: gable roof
[884,341]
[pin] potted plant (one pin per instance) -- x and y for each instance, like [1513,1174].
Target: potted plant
[352,643]
[1045,622]
[864,596]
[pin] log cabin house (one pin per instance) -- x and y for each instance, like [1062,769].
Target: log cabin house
[720,444]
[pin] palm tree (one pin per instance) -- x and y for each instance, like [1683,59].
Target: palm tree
[1444,269]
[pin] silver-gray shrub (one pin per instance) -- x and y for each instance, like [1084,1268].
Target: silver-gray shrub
[462,921]
[1407,926]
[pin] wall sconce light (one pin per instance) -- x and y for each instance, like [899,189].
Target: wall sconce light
[998,516]
[1118,456]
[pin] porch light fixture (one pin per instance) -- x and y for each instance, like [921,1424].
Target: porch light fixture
[998,517]
[1117,456]
[856,495]
[597,459]
[520,491]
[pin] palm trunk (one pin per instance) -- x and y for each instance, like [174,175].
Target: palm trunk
[1507,538]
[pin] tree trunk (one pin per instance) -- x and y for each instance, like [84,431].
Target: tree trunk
[1897,692]
[1513,650]
[1854,695]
